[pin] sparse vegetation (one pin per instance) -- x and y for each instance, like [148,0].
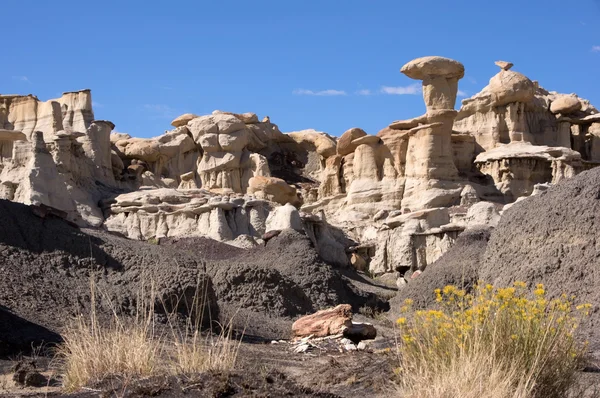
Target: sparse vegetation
[196,354]
[131,348]
[493,343]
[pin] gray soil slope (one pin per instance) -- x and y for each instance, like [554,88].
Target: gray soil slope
[553,238]
[46,267]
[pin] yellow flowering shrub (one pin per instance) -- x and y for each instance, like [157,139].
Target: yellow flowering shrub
[525,336]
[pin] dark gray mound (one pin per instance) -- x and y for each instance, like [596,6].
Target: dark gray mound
[285,279]
[46,267]
[553,238]
[458,267]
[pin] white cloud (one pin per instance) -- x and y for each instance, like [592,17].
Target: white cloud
[462,93]
[97,104]
[22,79]
[413,89]
[162,111]
[596,49]
[329,92]
[364,92]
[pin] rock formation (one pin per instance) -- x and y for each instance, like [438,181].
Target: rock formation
[390,203]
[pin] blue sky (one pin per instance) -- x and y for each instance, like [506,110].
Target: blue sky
[327,65]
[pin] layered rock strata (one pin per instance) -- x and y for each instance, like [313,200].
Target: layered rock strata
[389,203]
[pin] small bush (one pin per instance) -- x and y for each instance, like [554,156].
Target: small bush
[526,344]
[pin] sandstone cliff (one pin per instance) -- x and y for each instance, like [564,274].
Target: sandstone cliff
[390,203]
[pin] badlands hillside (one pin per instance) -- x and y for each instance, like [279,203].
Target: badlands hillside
[274,225]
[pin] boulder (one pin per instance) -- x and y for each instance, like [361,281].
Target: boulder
[504,65]
[565,104]
[284,217]
[328,322]
[273,189]
[183,119]
[510,86]
[426,67]
[345,144]
[248,117]
[318,141]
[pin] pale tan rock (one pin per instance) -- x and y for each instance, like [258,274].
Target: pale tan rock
[440,80]
[463,151]
[426,67]
[412,241]
[565,104]
[483,213]
[115,137]
[274,190]
[156,213]
[96,145]
[324,323]
[77,110]
[512,108]
[183,119]
[345,144]
[504,65]
[146,150]
[248,117]
[284,217]
[71,112]
[510,86]
[332,182]
[517,167]
[220,123]
[323,144]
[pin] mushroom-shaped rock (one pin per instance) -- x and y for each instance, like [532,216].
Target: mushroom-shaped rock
[504,65]
[183,119]
[565,104]
[440,80]
[345,144]
[508,86]
[427,67]
[110,125]
[12,135]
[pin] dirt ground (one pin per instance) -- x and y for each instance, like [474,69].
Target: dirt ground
[264,369]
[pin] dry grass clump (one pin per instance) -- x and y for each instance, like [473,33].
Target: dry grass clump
[494,343]
[195,353]
[93,350]
[130,348]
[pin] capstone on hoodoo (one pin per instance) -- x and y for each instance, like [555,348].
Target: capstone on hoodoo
[390,203]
